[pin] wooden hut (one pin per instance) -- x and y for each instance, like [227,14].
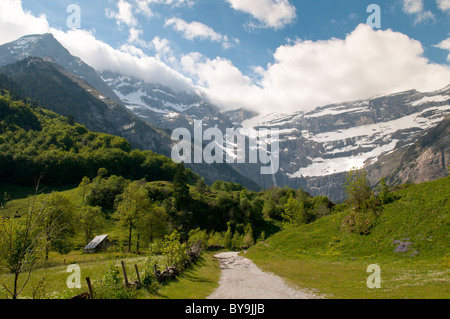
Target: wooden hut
[99,243]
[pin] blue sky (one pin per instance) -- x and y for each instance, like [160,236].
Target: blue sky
[233,49]
[315,20]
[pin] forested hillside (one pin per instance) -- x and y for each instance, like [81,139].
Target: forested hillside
[36,143]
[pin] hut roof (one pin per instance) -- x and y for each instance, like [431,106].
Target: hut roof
[95,242]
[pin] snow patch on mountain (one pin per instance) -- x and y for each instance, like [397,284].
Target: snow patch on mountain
[428,99]
[323,167]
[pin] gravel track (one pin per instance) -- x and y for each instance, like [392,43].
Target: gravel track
[242,279]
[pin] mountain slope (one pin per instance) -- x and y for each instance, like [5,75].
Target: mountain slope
[45,45]
[316,148]
[69,95]
[163,107]
[427,159]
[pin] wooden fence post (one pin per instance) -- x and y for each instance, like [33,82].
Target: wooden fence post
[125,273]
[138,276]
[91,291]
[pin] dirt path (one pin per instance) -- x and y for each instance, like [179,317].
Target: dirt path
[242,279]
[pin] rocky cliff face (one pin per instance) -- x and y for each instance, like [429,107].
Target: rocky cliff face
[317,148]
[428,159]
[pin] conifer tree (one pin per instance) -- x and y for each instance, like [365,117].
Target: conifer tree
[180,186]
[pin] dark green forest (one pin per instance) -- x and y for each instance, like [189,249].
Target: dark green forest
[37,143]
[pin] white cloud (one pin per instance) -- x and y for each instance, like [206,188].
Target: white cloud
[160,46]
[15,22]
[415,7]
[197,30]
[128,60]
[308,74]
[174,3]
[124,15]
[272,13]
[222,82]
[132,50]
[144,8]
[412,6]
[445,45]
[444,5]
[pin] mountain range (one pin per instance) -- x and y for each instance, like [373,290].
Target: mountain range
[402,136]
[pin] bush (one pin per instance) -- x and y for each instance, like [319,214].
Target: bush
[148,279]
[216,240]
[197,242]
[237,241]
[174,253]
[363,219]
[111,286]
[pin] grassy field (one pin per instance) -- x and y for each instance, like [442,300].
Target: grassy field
[319,256]
[21,197]
[197,282]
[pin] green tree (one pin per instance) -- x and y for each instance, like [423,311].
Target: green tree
[321,206]
[132,208]
[104,191]
[84,188]
[357,188]
[201,188]
[383,191]
[294,212]
[181,195]
[248,236]
[59,214]
[174,252]
[154,224]
[228,237]
[198,241]
[90,221]
[23,241]
[237,240]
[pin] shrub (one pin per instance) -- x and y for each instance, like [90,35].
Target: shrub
[173,251]
[248,239]
[148,279]
[359,221]
[216,240]
[197,242]
[111,286]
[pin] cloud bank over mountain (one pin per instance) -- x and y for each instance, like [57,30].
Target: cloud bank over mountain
[304,74]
